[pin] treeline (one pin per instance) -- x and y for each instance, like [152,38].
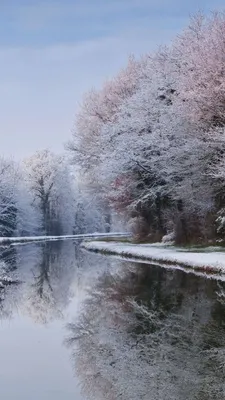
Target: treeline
[41,196]
[151,141]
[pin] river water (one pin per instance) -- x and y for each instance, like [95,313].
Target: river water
[76,325]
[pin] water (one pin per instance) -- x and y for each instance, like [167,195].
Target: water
[76,325]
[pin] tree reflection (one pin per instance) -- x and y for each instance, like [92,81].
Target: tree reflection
[41,279]
[49,293]
[8,257]
[8,281]
[150,333]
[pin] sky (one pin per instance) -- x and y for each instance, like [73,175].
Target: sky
[53,51]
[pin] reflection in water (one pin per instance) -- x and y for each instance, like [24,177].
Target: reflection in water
[8,257]
[48,276]
[139,331]
[151,333]
[8,281]
[49,292]
[34,364]
[44,273]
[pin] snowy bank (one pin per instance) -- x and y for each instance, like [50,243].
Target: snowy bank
[9,240]
[207,261]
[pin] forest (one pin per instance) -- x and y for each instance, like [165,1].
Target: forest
[152,139]
[147,148]
[41,196]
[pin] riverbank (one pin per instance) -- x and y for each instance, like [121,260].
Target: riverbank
[28,239]
[210,260]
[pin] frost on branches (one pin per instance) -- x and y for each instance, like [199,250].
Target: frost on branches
[17,215]
[151,141]
[50,186]
[200,54]
[41,196]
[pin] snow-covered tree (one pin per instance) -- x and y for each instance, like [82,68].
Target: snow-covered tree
[90,210]
[99,108]
[150,143]
[50,182]
[199,54]
[17,215]
[8,197]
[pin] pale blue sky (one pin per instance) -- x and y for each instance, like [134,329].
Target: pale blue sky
[52,51]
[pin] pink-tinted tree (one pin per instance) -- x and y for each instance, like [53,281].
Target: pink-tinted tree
[200,58]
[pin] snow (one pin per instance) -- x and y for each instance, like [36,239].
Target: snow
[207,260]
[21,239]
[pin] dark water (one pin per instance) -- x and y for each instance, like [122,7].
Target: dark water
[76,325]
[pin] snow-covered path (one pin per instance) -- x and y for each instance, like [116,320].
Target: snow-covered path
[96,235]
[209,260]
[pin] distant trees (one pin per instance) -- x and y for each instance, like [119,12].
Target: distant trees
[17,215]
[55,190]
[151,141]
[42,196]
[8,197]
[50,185]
